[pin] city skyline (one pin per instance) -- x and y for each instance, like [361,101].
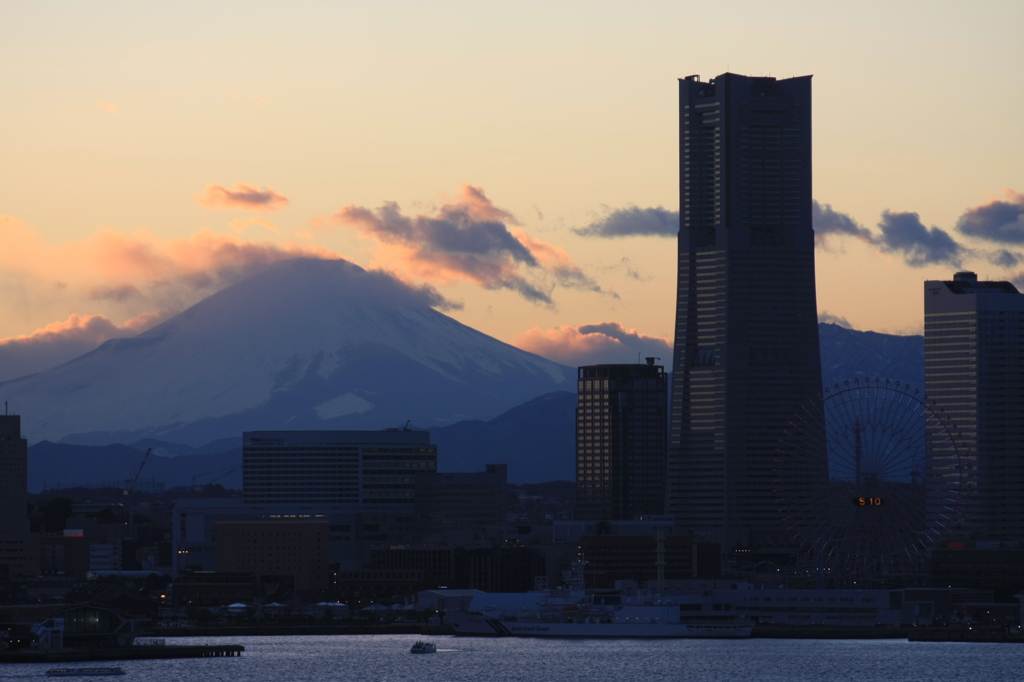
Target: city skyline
[142,180]
[335,268]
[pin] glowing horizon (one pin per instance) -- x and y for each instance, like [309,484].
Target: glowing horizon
[159,152]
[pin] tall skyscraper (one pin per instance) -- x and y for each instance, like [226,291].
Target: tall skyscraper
[974,371]
[14,535]
[621,441]
[746,349]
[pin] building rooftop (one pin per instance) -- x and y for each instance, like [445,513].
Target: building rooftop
[966,282]
[335,437]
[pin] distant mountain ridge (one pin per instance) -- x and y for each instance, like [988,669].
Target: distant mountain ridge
[847,354]
[53,466]
[536,439]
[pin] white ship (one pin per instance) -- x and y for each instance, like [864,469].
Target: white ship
[574,612]
[611,624]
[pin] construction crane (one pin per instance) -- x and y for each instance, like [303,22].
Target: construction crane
[129,488]
[129,485]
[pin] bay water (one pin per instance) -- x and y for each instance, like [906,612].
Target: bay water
[386,658]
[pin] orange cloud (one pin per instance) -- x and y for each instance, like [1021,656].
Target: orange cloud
[592,344]
[129,274]
[243,196]
[114,259]
[202,258]
[92,328]
[59,342]
[475,202]
[107,106]
[466,239]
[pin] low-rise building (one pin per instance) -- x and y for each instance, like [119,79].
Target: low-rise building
[275,546]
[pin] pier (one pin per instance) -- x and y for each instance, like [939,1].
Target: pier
[125,653]
[948,634]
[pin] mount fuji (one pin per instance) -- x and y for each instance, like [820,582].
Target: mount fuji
[306,344]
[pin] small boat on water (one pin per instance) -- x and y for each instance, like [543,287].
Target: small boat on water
[84,672]
[423,648]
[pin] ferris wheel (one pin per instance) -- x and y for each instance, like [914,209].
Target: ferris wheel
[870,477]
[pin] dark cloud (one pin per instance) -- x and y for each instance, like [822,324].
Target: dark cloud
[469,239]
[384,285]
[997,221]
[1005,259]
[902,233]
[483,251]
[905,234]
[455,231]
[659,222]
[828,221]
[634,221]
[663,223]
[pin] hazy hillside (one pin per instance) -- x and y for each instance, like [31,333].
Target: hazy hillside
[536,439]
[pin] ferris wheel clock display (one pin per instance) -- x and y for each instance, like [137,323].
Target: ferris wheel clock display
[870,478]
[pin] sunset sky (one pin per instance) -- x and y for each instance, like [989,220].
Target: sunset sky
[154,153]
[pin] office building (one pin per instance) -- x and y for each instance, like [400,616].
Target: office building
[974,372]
[293,547]
[746,356]
[373,487]
[621,441]
[471,500]
[363,468]
[16,544]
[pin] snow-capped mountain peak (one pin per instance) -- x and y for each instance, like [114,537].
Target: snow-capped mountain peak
[305,344]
